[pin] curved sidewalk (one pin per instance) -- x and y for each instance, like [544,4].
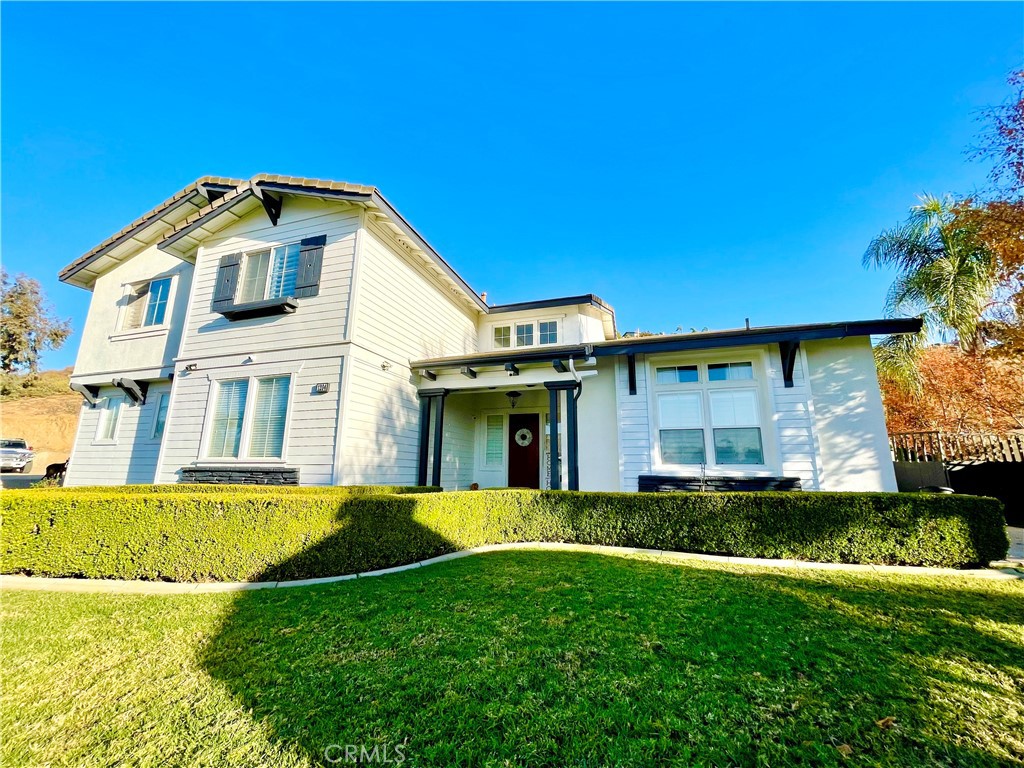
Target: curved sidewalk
[115,586]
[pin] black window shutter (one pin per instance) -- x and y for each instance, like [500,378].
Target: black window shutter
[311,256]
[227,281]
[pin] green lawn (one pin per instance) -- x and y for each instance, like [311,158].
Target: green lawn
[526,658]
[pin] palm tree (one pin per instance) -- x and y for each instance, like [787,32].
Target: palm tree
[946,275]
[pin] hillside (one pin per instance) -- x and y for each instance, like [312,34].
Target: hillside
[45,413]
[48,423]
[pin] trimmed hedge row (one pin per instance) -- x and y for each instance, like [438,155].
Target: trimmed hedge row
[345,490]
[266,536]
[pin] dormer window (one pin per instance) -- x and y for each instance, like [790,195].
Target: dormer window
[524,334]
[146,304]
[503,337]
[528,333]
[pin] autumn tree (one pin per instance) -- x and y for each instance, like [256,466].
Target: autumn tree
[949,399]
[1002,141]
[28,325]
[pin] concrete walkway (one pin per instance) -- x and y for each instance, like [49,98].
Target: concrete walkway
[174,588]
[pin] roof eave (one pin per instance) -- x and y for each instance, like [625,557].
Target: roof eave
[683,342]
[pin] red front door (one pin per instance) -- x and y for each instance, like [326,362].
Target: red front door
[524,450]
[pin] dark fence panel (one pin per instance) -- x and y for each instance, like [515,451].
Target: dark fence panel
[1003,480]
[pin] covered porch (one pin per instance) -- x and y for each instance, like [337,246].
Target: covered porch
[503,423]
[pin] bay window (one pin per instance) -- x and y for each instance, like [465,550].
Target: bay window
[708,413]
[249,418]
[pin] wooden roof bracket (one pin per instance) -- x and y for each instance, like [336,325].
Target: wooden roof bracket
[788,350]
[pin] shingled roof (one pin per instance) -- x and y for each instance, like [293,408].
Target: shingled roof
[195,188]
[213,195]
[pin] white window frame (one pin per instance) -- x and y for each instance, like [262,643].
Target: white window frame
[270,248]
[162,398]
[104,410]
[247,418]
[145,330]
[535,322]
[760,385]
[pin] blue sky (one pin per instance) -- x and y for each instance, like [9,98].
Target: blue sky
[693,164]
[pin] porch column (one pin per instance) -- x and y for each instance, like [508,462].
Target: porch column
[572,437]
[435,477]
[571,433]
[430,399]
[556,470]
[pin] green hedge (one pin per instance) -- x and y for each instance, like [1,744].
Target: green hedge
[344,490]
[271,536]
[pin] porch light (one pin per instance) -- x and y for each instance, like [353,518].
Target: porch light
[513,397]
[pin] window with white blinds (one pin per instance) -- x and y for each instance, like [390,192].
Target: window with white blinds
[249,418]
[228,415]
[270,274]
[705,416]
[266,438]
[494,444]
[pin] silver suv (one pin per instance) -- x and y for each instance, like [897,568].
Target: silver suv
[15,455]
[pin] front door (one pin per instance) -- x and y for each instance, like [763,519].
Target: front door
[524,450]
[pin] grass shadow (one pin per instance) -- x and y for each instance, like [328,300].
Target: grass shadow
[545,658]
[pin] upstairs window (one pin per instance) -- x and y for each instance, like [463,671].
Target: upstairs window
[524,335]
[528,333]
[548,332]
[270,274]
[147,304]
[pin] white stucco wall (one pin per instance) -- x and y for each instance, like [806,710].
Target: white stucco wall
[105,350]
[599,430]
[848,416]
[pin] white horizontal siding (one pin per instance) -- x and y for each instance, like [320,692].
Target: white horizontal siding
[794,425]
[131,458]
[380,435]
[313,418]
[791,424]
[322,318]
[634,424]
[457,447]
[402,311]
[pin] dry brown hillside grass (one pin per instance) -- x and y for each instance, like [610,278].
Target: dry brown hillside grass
[48,423]
[45,414]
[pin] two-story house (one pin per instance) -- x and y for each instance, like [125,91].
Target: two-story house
[289,330]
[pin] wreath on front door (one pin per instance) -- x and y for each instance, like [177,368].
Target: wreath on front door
[524,437]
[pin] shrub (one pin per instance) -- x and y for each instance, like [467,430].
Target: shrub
[241,535]
[344,490]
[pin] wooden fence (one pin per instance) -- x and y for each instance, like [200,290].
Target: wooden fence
[954,448]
